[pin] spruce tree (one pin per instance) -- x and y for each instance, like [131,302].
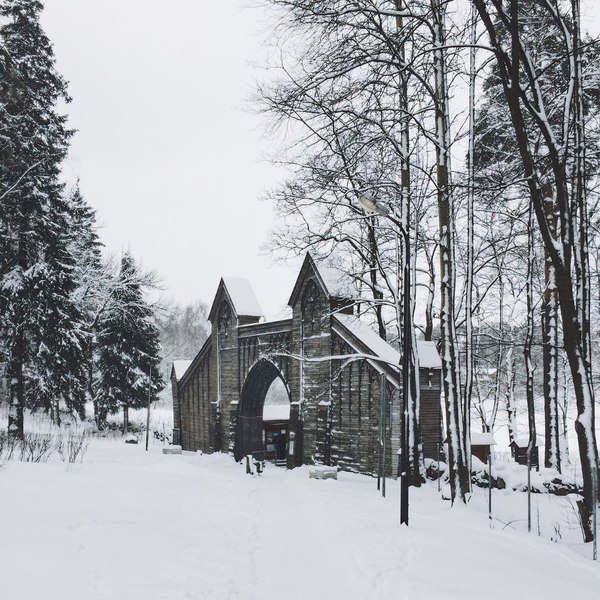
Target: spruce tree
[129,347]
[92,294]
[39,322]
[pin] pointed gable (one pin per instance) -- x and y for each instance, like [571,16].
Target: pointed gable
[179,368]
[333,282]
[240,295]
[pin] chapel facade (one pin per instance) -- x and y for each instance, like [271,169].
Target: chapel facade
[340,382]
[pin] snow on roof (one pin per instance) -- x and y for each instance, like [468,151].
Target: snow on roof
[180,367]
[479,438]
[427,352]
[523,441]
[369,338]
[338,283]
[243,297]
[429,357]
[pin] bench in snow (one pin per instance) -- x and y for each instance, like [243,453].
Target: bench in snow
[172,450]
[322,472]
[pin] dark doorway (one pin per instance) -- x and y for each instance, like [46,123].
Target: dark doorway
[263,382]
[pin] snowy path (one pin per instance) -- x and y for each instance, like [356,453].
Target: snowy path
[135,526]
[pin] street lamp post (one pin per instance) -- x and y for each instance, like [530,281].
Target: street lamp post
[372,206]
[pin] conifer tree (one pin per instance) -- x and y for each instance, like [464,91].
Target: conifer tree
[94,286]
[39,322]
[129,348]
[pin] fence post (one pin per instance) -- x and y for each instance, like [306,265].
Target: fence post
[595,511]
[490,485]
[381,434]
[529,493]
[438,469]
[384,434]
[148,409]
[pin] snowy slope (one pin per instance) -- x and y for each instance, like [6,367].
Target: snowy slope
[132,525]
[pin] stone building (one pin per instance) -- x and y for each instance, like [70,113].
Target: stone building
[339,377]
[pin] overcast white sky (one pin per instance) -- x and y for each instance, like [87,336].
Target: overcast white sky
[165,151]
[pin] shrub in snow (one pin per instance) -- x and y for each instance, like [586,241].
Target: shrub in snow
[431,469]
[72,447]
[37,447]
[480,475]
[561,488]
[162,437]
[482,479]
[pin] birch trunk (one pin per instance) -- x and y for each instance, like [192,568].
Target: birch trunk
[510,396]
[470,228]
[457,458]
[549,350]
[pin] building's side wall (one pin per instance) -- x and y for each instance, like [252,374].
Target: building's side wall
[356,414]
[176,410]
[430,411]
[311,379]
[191,401]
[230,386]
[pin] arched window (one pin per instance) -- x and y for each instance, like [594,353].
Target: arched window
[224,318]
[310,309]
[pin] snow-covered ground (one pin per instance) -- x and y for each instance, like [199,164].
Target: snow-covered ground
[131,525]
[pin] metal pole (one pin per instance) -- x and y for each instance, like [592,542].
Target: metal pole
[406,364]
[490,485]
[381,433]
[383,430]
[529,492]
[148,410]
[595,512]
[438,469]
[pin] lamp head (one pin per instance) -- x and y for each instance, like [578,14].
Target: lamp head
[372,206]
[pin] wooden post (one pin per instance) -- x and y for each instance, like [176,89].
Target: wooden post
[148,411]
[381,464]
[490,484]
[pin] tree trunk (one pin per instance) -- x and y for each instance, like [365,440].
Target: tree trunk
[510,396]
[377,293]
[18,357]
[428,334]
[409,359]
[470,234]
[499,357]
[550,349]
[529,367]
[457,459]
[17,388]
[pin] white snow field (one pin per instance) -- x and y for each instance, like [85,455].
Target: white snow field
[135,525]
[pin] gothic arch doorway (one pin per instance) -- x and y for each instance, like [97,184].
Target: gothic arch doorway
[258,427]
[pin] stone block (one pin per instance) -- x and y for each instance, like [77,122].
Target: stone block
[322,472]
